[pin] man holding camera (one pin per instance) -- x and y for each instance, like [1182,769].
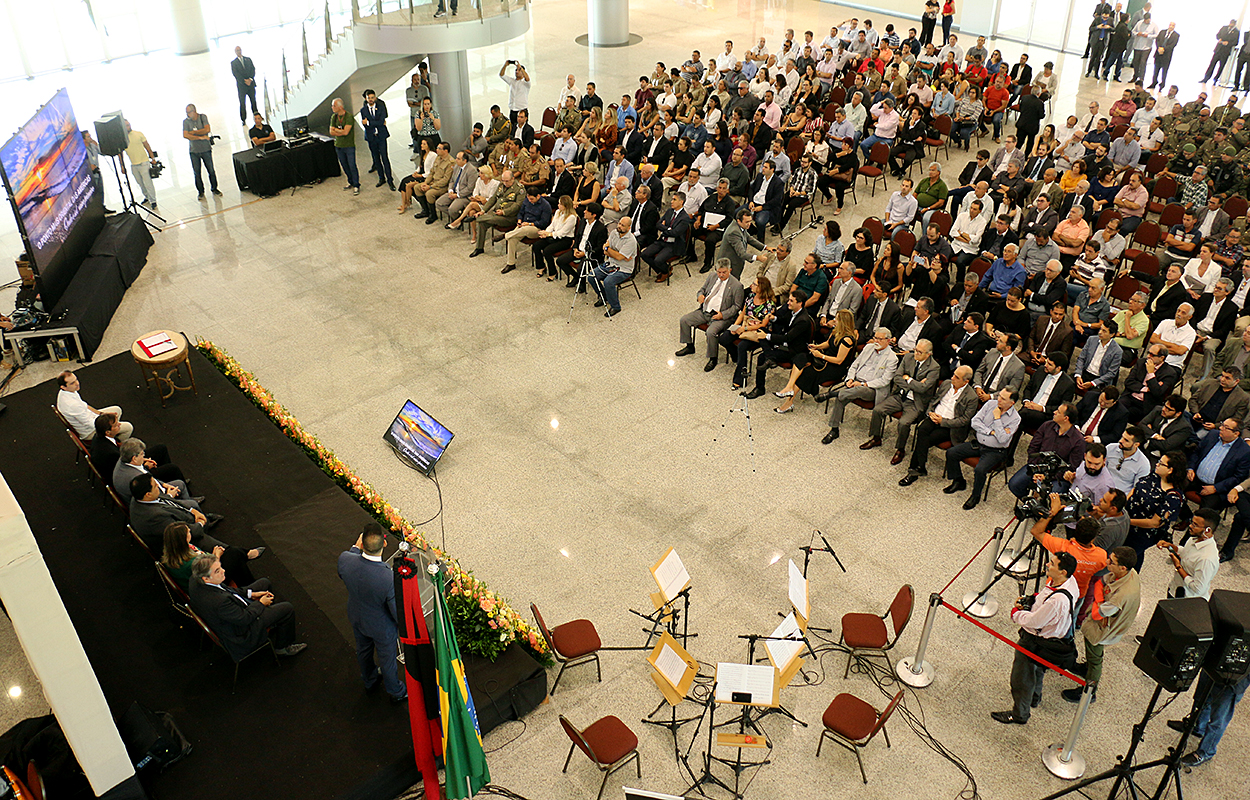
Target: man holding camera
[518,89]
[1045,621]
[199,133]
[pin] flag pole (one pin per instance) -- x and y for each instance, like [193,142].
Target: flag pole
[414,635]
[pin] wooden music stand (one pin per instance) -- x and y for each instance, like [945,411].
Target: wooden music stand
[673,581]
[673,670]
[732,678]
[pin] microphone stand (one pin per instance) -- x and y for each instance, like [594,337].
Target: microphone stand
[752,638]
[658,615]
[828,548]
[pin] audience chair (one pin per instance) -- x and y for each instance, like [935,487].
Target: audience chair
[838,95]
[830,112]
[866,634]
[608,743]
[546,143]
[1236,206]
[905,241]
[142,544]
[944,222]
[877,228]
[79,444]
[1146,237]
[1106,216]
[1126,174]
[178,597]
[980,266]
[852,723]
[632,282]
[573,643]
[1145,267]
[943,124]
[1171,215]
[1164,191]
[875,168]
[1155,164]
[549,119]
[212,637]
[1126,286]
[1117,132]
[794,150]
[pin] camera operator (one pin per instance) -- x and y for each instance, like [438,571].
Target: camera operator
[199,133]
[1090,558]
[1113,604]
[1045,621]
[1056,437]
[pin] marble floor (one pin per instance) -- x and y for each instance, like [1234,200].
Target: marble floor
[584,450]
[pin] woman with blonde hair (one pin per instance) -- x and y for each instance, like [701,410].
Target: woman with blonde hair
[557,238]
[829,362]
[485,187]
[588,187]
[585,135]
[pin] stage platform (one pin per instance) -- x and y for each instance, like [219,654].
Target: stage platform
[304,729]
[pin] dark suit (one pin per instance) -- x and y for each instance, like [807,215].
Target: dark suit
[1156,389]
[1175,432]
[645,221]
[373,120]
[993,242]
[594,247]
[670,240]
[632,142]
[663,151]
[104,453]
[1225,319]
[1035,221]
[558,185]
[931,329]
[1057,290]
[242,624]
[774,203]
[788,345]
[1063,390]
[1060,338]
[1165,41]
[525,134]
[149,520]
[244,70]
[1164,300]
[1109,426]
[956,352]
[891,317]
[1087,203]
[371,610]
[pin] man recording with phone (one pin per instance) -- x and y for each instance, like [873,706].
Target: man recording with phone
[1045,621]
[518,89]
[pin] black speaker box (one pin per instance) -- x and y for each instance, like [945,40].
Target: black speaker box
[1176,642]
[110,133]
[1228,659]
[152,739]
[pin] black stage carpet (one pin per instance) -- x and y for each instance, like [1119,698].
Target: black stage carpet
[304,729]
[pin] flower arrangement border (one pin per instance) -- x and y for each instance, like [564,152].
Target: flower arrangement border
[485,622]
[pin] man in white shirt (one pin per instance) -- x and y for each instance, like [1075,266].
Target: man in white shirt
[694,191]
[969,227]
[844,293]
[952,46]
[726,60]
[569,90]
[1177,335]
[901,209]
[1048,618]
[1089,122]
[1196,563]
[79,415]
[1126,463]
[709,165]
[518,89]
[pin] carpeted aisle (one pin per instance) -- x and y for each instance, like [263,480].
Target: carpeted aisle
[304,729]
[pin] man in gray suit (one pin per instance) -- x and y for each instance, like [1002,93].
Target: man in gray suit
[914,383]
[720,300]
[738,241]
[949,420]
[844,292]
[150,514]
[869,379]
[463,179]
[1000,369]
[132,462]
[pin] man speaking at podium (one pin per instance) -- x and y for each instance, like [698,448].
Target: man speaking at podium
[371,610]
[1045,621]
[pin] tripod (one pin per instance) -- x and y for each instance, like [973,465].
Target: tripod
[828,548]
[656,618]
[705,776]
[129,206]
[585,275]
[1003,570]
[1124,770]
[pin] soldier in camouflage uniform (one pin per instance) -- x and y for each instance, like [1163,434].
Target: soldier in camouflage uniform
[1209,151]
[1226,174]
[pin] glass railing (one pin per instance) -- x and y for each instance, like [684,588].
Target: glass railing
[406,13]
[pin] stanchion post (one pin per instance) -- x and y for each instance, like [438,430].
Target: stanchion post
[982,604]
[916,672]
[1061,758]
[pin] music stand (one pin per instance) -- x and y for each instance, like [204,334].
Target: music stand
[673,580]
[673,670]
[747,686]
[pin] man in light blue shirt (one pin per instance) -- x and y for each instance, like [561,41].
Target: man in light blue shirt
[943,103]
[1005,273]
[1126,463]
[994,425]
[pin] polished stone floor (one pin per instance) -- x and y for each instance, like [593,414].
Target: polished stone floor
[584,450]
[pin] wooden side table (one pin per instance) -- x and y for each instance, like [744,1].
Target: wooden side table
[164,370]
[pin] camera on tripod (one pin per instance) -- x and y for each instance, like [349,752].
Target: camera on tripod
[1050,467]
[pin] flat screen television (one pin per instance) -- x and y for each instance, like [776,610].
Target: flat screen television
[417,437]
[296,126]
[48,175]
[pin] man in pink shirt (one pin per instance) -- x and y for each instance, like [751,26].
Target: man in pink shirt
[772,111]
[887,120]
[1131,202]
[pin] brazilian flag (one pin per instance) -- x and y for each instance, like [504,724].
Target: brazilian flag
[463,755]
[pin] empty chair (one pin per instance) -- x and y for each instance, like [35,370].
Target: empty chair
[609,743]
[573,643]
[874,168]
[852,723]
[866,634]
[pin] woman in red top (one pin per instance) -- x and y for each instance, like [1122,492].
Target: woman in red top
[948,19]
[996,99]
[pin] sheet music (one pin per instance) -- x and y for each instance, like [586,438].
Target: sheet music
[671,575]
[798,590]
[755,680]
[671,665]
[782,652]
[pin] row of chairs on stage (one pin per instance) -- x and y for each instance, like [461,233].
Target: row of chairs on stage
[848,721]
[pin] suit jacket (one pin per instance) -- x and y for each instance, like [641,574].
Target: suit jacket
[1087,202]
[736,246]
[1035,221]
[851,301]
[149,520]
[1054,194]
[663,151]
[1058,290]
[124,473]
[971,353]
[673,226]
[558,185]
[1225,320]
[1157,388]
[993,242]
[932,329]
[633,144]
[370,595]
[1012,373]
[891,317]
[731,300]
[1060,340]
[104,454]
[925,376]
[971,175]
[243,69]
[1221,224]
[1039,164]
[1108,370]
[1112,423]
[1063,391]
[525,134]
[796,336]
[646,223]
[1235,405]
[966,408]
[774,197]
[1175,432]
[374,121]
[468,179]
[1234,469]
[598,238]
[1166,41]
[1169,299]
[231,615]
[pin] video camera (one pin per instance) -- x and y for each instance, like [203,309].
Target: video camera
[155,167]
[1050,468]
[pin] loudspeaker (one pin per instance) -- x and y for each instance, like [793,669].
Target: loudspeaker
[1176,642]
[1228,659]
[152,738]
[110,133]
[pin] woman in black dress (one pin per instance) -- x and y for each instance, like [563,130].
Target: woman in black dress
[830,361]
[860,253]
[928,279]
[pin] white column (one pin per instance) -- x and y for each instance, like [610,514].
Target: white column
[609,22]
[190,33]
[449,79]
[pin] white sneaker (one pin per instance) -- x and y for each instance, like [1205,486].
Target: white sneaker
[439,14]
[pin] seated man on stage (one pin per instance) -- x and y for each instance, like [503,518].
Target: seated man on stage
[151,513]
[81,416]
[720,300]
[948,420]
[244,617]
[105,447]
[133,461]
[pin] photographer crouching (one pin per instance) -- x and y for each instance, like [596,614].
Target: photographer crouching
[1045,621]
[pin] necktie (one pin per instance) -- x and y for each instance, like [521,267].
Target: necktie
[1092,425]
[991,383]
[876,317]
[1046,339]
[1037,170]
[1090,124]
[455,181]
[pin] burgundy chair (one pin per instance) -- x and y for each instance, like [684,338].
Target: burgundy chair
[609,743]
[874,168]
[866,634]
[573,643]
[852,723]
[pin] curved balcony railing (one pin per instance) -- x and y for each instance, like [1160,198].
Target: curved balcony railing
[405,13]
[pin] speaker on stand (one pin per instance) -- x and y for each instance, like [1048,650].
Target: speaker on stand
[110,134]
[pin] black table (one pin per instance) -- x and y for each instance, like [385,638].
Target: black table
[266,174]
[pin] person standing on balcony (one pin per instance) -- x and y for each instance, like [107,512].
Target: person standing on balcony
[442,9]
[518,89]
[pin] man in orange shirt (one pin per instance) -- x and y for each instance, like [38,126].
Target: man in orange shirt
[1090,558]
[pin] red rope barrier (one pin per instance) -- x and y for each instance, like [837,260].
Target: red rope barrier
[965,566]
[997,635]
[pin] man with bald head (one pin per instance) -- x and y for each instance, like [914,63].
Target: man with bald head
[914,385]
[343,130]
[244,72]
[500,211]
